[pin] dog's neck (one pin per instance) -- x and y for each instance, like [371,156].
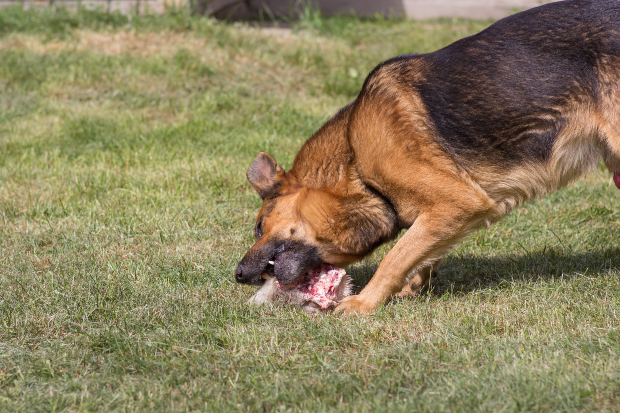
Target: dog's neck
[326,162]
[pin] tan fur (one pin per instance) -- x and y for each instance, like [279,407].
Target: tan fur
[577,150]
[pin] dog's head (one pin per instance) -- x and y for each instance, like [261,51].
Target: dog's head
[300,228]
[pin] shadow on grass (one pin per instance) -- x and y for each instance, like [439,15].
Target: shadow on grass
[467,273]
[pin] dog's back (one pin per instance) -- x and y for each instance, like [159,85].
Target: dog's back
[516,84]
[535,97]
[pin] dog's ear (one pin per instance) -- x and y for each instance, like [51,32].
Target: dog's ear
[265,175]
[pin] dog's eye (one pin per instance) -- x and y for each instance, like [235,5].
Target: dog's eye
[258,232]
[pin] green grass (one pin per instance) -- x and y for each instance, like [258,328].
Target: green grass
[124,211]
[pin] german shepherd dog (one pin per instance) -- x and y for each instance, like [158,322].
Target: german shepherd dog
[442,144]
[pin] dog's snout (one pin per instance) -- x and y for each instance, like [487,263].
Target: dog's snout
[246,273]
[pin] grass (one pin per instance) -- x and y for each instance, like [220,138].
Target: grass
[124,211]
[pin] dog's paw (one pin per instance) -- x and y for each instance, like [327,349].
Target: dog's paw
[355,305]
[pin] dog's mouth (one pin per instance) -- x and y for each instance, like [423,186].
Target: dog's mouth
[286,260]
[269,271]
[287,281]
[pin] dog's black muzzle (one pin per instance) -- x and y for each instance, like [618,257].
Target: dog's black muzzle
[287,260]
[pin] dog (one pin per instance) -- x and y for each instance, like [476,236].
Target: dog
[442,144]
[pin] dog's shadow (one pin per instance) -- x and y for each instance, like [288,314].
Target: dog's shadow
[464,274]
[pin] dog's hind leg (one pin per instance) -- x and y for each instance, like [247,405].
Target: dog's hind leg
[612,161]
[417,280]
[611,153]
[608,114]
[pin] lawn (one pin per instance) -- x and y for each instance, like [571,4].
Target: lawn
[125,209]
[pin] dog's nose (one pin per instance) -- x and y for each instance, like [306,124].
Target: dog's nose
[239,274]
[240,277]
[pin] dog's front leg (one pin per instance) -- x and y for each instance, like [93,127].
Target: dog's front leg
[426,241]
